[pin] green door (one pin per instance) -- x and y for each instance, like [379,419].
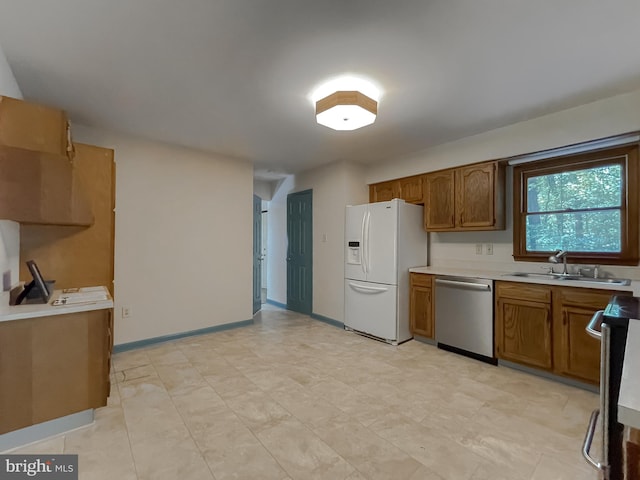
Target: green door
[299,252]
[257,253]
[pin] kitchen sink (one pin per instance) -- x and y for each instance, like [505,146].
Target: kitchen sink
[555,276]
[577,278]
[611,281]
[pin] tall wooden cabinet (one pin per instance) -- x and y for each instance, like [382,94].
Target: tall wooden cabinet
[421,306]
[78,256]
[465,198]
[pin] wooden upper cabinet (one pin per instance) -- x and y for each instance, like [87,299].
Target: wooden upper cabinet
[466,198]
[38,183]
[475,196]
[523,331]
[41,188]
[385,191]
[439,211]
[411,189]
[34,127]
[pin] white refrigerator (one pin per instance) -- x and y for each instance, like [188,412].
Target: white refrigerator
[382,241]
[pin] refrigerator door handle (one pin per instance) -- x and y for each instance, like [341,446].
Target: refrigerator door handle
[363,259]
[360,288]
[366,240]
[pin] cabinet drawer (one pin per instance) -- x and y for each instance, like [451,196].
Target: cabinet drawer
[587,297]
[421,279]
[534,293]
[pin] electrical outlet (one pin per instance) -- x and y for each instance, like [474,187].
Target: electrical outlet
[126,312]
[489,249]
[478,249]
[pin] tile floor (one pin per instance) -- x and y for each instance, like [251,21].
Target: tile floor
[294,398]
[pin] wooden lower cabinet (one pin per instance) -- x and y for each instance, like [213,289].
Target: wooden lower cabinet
[544,327]
[421,305]
[577,354]
[523,332]
[53,366]
[523,324]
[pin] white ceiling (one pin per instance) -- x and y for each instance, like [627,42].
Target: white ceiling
[232,76]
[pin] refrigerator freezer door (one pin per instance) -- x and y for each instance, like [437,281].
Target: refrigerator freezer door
[371,308]
[355,267]
[380,243]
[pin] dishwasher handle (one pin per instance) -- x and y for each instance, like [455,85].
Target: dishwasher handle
[460,284]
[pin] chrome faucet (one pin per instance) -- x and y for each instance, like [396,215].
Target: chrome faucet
[560,255]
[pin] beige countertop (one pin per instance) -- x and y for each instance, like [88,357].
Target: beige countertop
[508,276]
[21,312]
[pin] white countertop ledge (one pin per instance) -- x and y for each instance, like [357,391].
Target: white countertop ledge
[629,399]
[507,276]
[22,312]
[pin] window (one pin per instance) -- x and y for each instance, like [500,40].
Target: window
[586,204]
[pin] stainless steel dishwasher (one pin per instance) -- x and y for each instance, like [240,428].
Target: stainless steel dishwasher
[464,316]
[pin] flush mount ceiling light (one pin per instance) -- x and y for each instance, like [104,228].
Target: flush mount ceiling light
[346,110]
[346,102]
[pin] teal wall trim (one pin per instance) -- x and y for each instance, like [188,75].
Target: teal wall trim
[277,304]
[124,347]
[328,320]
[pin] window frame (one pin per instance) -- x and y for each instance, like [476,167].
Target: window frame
[626,156]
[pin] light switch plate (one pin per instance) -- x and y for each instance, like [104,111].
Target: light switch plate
[489,249]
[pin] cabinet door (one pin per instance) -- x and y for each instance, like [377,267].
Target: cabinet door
[576,353]
[475,196]
[411,189]
[523,332]
[421,305]
[439,204]
[385,191]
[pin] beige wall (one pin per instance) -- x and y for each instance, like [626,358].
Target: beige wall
[9,231]
[334,187]
[599,119]
[183,241]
